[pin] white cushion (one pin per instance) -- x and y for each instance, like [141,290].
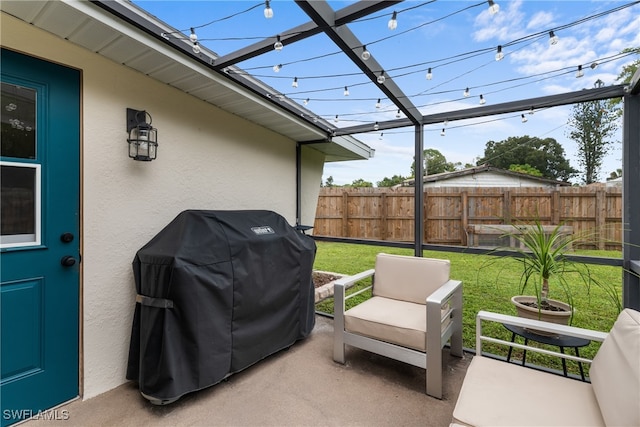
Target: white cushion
[615,372]
[497,393]
[398,322]
[409,278]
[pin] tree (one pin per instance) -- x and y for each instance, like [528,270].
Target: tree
[361,183]
[593,123]
[545,155]
[390,182]
[526,168]
[434,162]
[329,182]
[615,175]
[625,75]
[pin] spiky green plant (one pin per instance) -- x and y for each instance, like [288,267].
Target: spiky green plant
[544,259]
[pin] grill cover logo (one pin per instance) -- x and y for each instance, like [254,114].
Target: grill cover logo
[265,229]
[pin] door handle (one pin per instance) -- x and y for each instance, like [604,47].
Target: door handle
[68,261]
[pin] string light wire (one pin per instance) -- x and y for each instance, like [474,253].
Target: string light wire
[440,63]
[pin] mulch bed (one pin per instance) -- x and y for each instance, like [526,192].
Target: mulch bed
[320,279]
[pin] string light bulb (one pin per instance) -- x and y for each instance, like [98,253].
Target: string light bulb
[376,126]
[295,82]
[523,118]
[398,114]
[429,74]
[365,55]
[381,79]
[553,39]
[499,54]
[482,100]
[278,44]
[594,65]
[346,91]
[446,122]
[268,12]
[378,105]
[393,22]
[306,101]
[196,48]
[466,93]
[336,119]
[193,37]
[579,73]
[380,137]
[442,132]
[277,68]
[493,7]
[531,111]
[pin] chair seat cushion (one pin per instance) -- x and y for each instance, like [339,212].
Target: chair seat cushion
[397,322]
[497,393]
[409,278]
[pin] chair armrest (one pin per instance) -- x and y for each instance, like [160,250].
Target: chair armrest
[444,292]
[554,328]
[350,280]
[444,316]
[343,283]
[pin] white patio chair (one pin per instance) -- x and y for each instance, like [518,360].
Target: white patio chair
[415,310]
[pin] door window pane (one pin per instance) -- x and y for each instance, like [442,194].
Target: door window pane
[18,118]
[20,209]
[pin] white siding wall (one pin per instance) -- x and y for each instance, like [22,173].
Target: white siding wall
[207,159]
[486,179]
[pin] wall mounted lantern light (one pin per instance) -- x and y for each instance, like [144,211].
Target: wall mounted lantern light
[143,138]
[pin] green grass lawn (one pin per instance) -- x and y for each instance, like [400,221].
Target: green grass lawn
[489,283]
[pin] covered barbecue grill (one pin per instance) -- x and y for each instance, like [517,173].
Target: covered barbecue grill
[217,292]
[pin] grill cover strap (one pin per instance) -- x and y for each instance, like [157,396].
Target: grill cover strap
[154,302]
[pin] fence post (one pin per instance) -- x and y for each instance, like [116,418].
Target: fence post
[383,220]
[425,219]
[506,207]
[555,207]
[601,218]
[345,214]
[465,217]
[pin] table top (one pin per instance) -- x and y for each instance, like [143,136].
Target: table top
[557,340]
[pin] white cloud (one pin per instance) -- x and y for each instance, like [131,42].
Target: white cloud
[579,45]
[540,20]
[503,26]
[605,35]
[542,58]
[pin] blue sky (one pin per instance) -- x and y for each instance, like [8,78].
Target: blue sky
[457,39]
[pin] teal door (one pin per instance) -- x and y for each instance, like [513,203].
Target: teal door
[39,242]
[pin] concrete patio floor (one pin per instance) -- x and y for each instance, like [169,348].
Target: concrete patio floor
[301,386]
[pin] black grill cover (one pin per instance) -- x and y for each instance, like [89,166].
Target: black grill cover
[217,292]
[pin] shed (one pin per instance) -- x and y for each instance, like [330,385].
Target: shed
[486,176]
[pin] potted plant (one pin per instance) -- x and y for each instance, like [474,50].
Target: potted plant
[543,253]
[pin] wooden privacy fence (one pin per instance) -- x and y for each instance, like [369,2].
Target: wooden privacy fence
[593,212]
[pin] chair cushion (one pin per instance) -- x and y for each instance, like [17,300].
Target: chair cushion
[615,372]
[409,278]
[497,393]
[398,322]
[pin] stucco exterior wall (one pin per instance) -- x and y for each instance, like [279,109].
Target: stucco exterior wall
[207,159]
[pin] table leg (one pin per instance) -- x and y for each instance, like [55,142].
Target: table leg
[524,351]
[580,365]
[513,338]
[564,362]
